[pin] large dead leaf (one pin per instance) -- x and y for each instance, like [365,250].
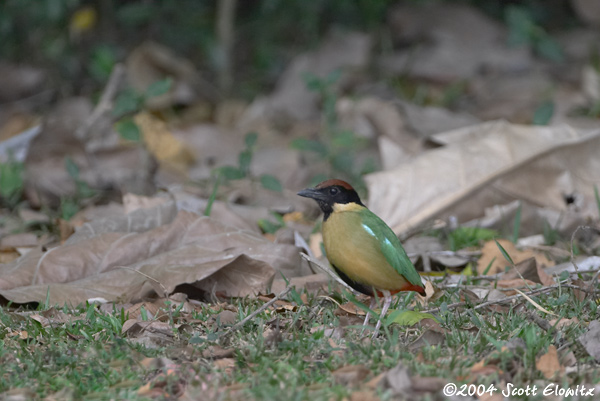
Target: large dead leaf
[113,262]
[291,97]
[591,340]
[20,81]
[526,262]
[159,140]
[450,42]
[549,364]
[151,62]
[492,163]
[101,164]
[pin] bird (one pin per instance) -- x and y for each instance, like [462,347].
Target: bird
[362,249]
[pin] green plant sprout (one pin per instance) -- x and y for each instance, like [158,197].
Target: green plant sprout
[338,146]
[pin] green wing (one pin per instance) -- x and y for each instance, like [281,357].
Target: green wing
[390,246]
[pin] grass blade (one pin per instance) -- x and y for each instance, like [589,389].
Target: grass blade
[504,253]
[517,225]
[487,269]
[597,198]
[213,196]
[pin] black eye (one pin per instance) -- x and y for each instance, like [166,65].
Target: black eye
[333,191]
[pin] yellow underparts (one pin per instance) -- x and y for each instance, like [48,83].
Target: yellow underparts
[353,249]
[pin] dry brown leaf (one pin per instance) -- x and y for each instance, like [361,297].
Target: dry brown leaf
[350,51]
[482,368]
[489,163]
[135,311]
[168,150]
[515,283]
[447,49]
[226,317]
[365,395]
[351,309]
[101,165]
[490,253]
[132,202]
[529,269]
[497,396]
[151,62]
[8,256]
[351,375]
[588,11]
[428,338]
[563,322]
[13,241]
[591,340]
[227,364]
[217,352]
[97,263]
[19,81]
[313,283]
[549,364]
[397,380]
[427,384]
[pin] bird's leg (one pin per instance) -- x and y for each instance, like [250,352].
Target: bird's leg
[371,306]
[386,304]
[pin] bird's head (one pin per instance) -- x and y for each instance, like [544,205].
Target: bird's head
[330,193]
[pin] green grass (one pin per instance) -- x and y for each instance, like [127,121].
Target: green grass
[88,355]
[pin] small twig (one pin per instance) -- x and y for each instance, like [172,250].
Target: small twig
[225,35]
[104,104]
[259,310]
[542,323]
[573,251]
[545,325]
[426,262]
[507,299]
[327,270]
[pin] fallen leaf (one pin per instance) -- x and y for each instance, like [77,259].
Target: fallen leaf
[13,241]
[497,396]
[352,309]
[563,322]
[591,340]
[226,317]
[489,162]
[515,283]
[168,150]
[151,62]
[407,317]
[351,375]
[313,283]
[397,380]
[549,364]
[97,263]
[528,269]
[445,49]
[428,338]
[364,395]
[291,97]
[492,256]
[227,364]
[132,202]
[483,368]
[425,384]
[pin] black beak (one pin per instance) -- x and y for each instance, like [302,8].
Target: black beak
[313,194]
